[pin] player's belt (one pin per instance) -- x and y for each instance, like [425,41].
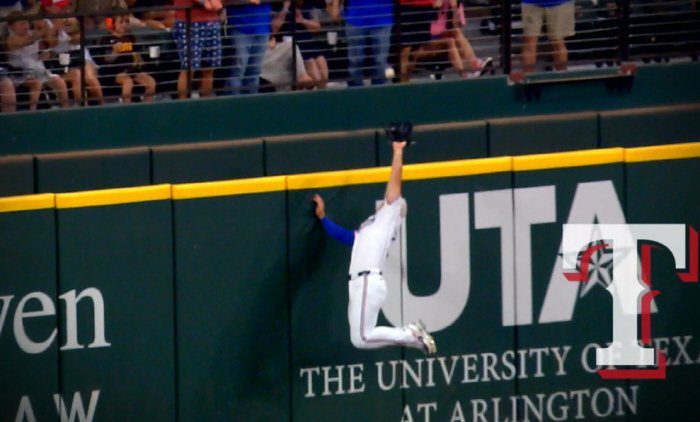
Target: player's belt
[364,273]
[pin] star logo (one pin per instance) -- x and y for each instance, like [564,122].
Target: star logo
[600,267]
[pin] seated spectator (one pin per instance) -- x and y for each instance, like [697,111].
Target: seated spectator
[157,19]
[62,36]
[277,67]
[205,52]
[122,59]
[447,37]
[307,24]
[8,99]
[247,30]
[23,54]
[416,19]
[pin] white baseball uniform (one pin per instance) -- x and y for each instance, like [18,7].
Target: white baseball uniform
[367,288]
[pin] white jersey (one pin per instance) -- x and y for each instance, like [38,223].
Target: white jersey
[373,238]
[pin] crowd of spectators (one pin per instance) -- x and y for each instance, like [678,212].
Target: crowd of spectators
[233,47]
[245,43]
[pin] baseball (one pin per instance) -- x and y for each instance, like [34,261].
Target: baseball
[389,73]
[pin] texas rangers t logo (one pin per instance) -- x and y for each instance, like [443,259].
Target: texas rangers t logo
[625,288]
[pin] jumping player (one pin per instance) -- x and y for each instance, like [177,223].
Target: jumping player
[367,288]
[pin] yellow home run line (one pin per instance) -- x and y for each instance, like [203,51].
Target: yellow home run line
[349,177]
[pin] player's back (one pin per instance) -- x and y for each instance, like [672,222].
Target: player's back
[373,238]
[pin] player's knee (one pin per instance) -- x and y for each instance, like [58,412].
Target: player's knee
[358,341]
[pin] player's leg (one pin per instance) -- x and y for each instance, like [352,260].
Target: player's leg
[367,295]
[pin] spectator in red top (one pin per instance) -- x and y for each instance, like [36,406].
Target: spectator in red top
[205,52]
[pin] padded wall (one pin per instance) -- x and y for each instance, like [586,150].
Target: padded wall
[16,175]
[192,163]
[320,152]
[650,126]
[115,252]
[232,303]
[89,170]
[543,134]
[29,309]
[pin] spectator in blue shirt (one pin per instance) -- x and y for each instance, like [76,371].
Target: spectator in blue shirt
[367,23]
[249,30]
[558,16]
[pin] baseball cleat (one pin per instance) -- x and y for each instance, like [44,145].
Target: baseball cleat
[427,342]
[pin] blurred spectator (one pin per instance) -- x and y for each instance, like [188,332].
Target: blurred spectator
[277,67]
[416,18]
[8,99]
[9,6]
[248,30]
[558,16]
[205,44]
[62,36]
[447,37]
[308,23]
[367,24]
[23,54]
[160,19]
[93,7]
[123,61]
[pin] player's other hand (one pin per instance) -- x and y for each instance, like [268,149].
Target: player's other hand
[320,207]
[399,145]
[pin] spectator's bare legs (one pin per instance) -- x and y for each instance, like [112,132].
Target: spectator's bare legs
[59,86]
[34,86]
[147,81]
[442,45]
[405,64]
[559,54]
[93,84]
[528,55]
[72,78]
[8,98]
[127,86]
[182,85]
[466,51]
[206,83]
[323,70]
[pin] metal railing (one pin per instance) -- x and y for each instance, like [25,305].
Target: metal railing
[297,46]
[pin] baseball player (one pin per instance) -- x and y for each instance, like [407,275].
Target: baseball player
[367,288]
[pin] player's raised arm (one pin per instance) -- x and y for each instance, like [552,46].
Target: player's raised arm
[393,187]
[333,230]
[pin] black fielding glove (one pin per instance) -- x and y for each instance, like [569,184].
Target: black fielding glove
[399,132]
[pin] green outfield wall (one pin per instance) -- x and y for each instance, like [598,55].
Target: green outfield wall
[226,301]
[262,116]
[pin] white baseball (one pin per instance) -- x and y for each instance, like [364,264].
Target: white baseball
[389,73]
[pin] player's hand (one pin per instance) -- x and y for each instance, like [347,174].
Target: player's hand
[398,146]
[320,207]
